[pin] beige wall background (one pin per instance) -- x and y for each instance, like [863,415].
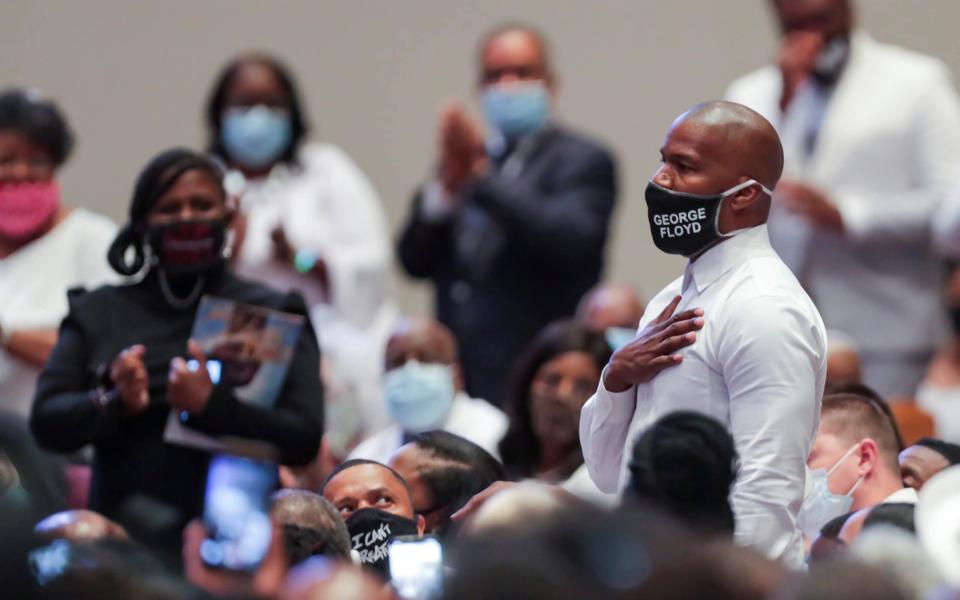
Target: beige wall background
[133,76]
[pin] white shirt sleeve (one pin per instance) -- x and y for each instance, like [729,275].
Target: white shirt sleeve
[355,241]
[93,270]
[773,359]
[906,216]
[604,430]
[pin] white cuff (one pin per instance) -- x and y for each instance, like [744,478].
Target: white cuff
[614,407]
[435,204]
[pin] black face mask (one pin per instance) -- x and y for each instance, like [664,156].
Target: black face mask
[370,533]
[187,247]
[686,224]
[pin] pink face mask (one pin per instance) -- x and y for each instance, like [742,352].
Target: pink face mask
[27,208]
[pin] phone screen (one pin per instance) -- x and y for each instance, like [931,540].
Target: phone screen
[416,567]
[214,368]
[237,512]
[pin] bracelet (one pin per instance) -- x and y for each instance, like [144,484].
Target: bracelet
[305,260]
[101,397]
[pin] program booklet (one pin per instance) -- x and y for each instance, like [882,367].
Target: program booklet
[249,349]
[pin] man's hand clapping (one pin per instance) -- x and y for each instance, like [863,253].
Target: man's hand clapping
[462,155]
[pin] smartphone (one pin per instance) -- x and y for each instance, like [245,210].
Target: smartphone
[416,567]
[237,512]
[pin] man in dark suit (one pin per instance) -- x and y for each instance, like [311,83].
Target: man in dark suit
[513,227]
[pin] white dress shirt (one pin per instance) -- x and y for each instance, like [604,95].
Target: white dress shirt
[33,290]
[471,418]
[327,206]
[758,366]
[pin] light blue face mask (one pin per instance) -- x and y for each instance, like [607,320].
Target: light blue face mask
[516,109]
[821,505]
[419,395]
[618,337]
[256,136]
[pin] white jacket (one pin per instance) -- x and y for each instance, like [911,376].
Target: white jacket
[886,152]
[329,207]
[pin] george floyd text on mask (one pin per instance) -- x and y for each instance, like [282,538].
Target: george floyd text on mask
[682,223]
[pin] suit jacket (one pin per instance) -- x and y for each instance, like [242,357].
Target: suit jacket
[886,151]
[525,243]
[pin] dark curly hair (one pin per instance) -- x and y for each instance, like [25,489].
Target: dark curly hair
[686,463]
[38,120]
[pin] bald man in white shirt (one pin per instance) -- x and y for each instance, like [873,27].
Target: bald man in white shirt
[735,337]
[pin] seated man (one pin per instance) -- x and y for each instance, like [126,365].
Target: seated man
[613,309]
[686,464]
[423,389]
[926,458]
[854,461]
[444,471]
[376,503]
[311,526]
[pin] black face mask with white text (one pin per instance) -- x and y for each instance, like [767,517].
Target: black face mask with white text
[370,533]
[686,224]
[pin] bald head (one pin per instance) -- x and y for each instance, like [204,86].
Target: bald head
[514,52]
[747,142]
[610,305]
[423,340]
[716,146]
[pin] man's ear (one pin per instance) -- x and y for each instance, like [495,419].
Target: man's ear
[421,525]
[869,455]
[745,198]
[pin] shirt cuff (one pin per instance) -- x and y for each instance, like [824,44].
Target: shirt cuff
[614,407]
[435,204]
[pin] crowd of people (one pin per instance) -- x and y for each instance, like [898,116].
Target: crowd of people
[780,421]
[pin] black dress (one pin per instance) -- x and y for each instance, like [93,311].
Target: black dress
[131,460]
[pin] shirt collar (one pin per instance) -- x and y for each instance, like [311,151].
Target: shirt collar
[905,495]
[726,255]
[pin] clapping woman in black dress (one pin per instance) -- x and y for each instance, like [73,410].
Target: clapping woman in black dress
[120,363]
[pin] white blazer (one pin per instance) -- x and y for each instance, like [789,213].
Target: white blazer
[886,153]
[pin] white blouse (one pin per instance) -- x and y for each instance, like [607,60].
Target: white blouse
[33,290]
[328,207]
